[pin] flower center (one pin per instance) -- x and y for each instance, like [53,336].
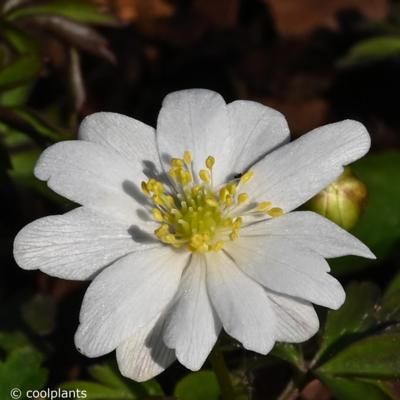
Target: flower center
[197,215]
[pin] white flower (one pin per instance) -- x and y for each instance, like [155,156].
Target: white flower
[179,248]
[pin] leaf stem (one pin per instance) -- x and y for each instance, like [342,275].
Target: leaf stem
[221,371]
[290,392]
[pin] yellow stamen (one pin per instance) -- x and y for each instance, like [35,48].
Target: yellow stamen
[229,201]
[205,176]
[187,157]
[212,202]
[157,214]
[177,163]
[247,177]
[263,206]
[217,246]
[196,215]
[144,189]
[275,212]
[210,162]
[222,194]
[234,235]
[232,188]
[243,198]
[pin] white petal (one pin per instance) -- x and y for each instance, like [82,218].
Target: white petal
[75,245]
[256,130]
[131,139]
[284,267]
[310,230]
[292,174]
[192,327]
[241,304]
[296,319]
[125,297]
[195,120]
[92,175]
[144,355]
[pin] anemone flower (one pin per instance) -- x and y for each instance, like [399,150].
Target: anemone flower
[189,229]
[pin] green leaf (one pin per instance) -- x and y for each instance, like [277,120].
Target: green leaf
[198,386]
[97,391]
[351,389]
[393,286]
[376,356]
[20,41]
[379,226]
[372,50]
[19,75]
[290,353]
[33,124]
[39,313]
[353,317]
[23,164]
[10,341]
[112,385]
[17,96]
[109,375]
[22,369]
[389,308]
[152,388]
[19,72]
[77,10]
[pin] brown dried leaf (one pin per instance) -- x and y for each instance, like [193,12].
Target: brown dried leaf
[302,115]
[221,14]
[301,17]
[74,33]
[139,10]
[316,390]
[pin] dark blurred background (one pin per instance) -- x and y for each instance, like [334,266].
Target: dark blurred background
[315,61]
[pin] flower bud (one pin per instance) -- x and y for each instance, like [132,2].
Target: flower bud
[342,201]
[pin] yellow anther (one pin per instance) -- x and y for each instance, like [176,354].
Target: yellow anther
[157,214]
[169,201]
[162,232]
[229,200]
[237,223]
[243,198]
[217,246]
[247,177]
[198,244]
[232,188]
[170,238]
[158,200]
[173,173]
[198,216]
[187,157]
[210,162]
[196,190]
[158,187]
[212,202]
[234,235]
[275,212]
[151,183]
[223,193]
[185,177]
[263,206]
[177,163]
[205,176]
[144,188]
